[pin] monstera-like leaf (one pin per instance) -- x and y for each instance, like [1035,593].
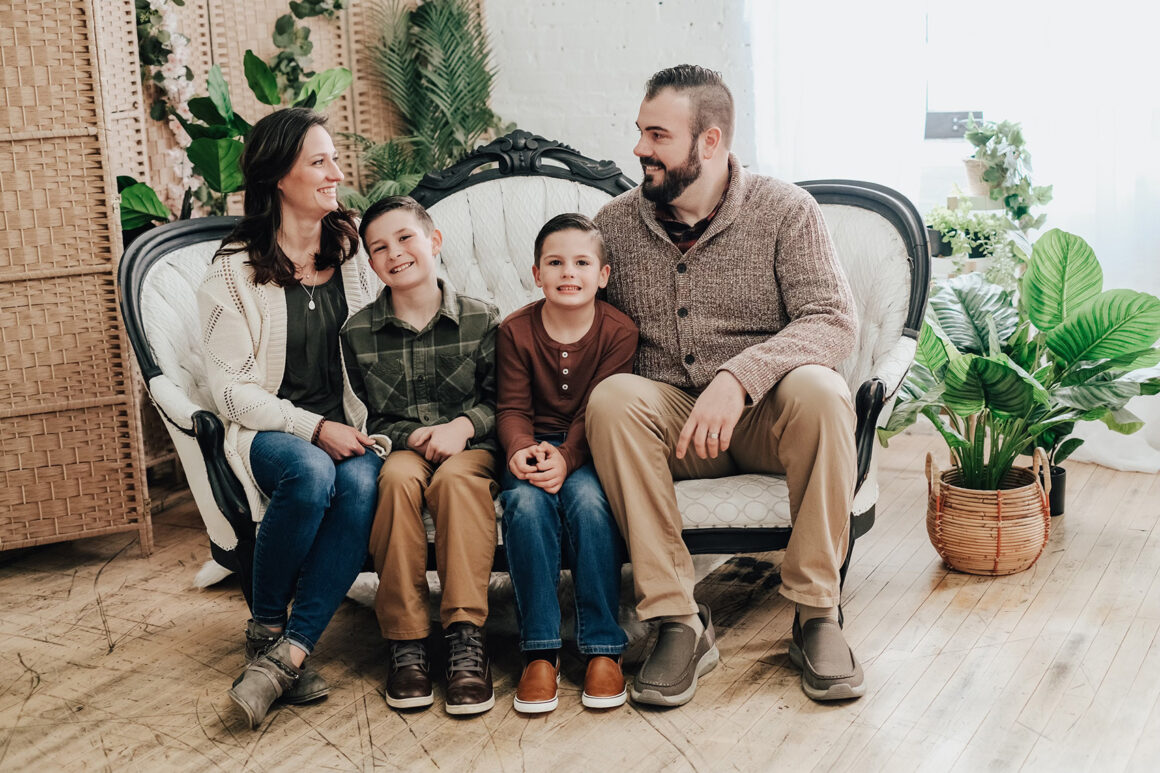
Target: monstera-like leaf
[1062,275]
[975,383]
[1112,324]
[962,307]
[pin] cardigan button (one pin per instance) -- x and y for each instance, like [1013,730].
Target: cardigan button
[690,359]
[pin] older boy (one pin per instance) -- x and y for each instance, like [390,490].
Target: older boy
[422,358]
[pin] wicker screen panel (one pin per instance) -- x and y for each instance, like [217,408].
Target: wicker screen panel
[63,475]
[116,23]
[234,27]
[47,72]
[69,461]
[53,205]
[59,343]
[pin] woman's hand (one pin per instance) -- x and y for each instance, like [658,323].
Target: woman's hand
[341,441]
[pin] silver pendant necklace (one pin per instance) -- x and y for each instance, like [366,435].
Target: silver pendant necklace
[310,290]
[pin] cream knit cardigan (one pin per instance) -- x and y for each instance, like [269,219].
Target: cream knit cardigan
[244,340]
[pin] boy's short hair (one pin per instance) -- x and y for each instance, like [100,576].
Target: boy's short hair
[390,203]
[571,221]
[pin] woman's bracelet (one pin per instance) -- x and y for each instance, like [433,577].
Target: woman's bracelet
[317,431]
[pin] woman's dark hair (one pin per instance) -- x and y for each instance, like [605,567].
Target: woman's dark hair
[271,148]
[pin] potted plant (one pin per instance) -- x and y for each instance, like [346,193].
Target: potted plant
[997,379]
[1000,167]
[976,239]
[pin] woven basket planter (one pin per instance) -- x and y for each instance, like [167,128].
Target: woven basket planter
[988,532]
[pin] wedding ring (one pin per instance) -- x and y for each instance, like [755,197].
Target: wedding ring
[712,435]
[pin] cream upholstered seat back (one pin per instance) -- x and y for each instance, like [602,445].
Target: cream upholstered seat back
[489,230]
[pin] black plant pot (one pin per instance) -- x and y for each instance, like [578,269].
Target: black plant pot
[1058,489]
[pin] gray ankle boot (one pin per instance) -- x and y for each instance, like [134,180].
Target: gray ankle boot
[264,681]
[310,685]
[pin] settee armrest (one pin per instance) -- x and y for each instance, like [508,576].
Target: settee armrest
[893,366]
[867,407]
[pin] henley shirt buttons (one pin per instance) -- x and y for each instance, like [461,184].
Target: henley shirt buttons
[563,354]
[682,312]
[690,359]
[564,387]
[565,371]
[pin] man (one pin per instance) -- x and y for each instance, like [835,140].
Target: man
[743,312]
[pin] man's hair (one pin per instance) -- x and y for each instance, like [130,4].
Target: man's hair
[571,221]
[709,97]
[390,203]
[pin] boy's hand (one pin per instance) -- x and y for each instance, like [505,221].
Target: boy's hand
[448,439]
[550,473]
[417,440]
[523,462]
[341,441]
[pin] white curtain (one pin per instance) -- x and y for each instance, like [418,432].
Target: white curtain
[842,87]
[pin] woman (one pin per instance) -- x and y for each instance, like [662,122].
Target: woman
[271,306]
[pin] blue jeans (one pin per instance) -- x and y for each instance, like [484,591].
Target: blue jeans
[576,522]
[312,541]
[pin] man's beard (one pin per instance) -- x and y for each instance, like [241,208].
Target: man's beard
[675,179]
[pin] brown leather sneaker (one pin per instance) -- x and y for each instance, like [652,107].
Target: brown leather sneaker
[409,682]
[469,688]
[604,683]
[668,676]
[539,687]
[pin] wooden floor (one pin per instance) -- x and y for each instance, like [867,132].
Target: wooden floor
[110,661]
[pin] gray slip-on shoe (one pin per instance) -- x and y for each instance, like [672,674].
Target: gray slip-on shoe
[668,676]
[310,685]
[264,681]
[830,672]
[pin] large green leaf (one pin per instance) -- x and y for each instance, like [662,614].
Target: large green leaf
[1097,394]
[141,206]
[934,350]
[962,305]
[907,412]
[204,109]
[997,383]
[1062,276]
[325,87]
[217,162]
[1066,449]
[261,79]
[219,92]
[1113,324]
[1144,358]
[1123,421]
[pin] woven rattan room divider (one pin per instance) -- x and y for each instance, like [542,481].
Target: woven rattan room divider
[69,453]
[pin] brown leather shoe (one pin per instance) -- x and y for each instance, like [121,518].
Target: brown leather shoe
[539,687]
[469,688]
[604,683]
[409,683]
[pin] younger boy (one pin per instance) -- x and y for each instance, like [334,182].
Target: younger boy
[549,356]
[422,358]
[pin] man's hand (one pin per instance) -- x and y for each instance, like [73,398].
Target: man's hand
[523,462]
[710,424]
[442,441]
[550,473]
[341,441]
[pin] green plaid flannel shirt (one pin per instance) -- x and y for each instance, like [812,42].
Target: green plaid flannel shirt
[411,378]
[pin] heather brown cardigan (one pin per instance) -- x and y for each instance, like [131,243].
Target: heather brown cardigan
[760,293]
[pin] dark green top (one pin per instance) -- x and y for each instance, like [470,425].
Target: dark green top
[313,376]
[412,378]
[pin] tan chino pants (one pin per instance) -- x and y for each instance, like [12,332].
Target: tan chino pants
[803,428]
[459,493]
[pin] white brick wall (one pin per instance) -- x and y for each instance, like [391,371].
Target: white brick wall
[574,71]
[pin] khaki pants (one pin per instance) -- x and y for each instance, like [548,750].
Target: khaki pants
[459,494]
[803,428]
